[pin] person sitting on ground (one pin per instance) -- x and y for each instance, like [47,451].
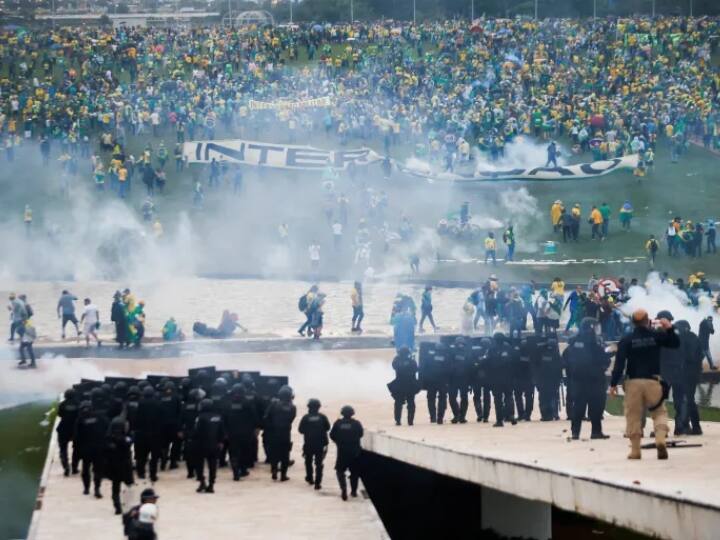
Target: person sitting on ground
[227,327]
[171,331]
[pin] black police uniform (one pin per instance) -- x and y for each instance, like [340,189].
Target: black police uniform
[314,427]
[89,436]
[693,355]
[525,349]
[405,385]
[170,406]
[548,369]
[479,379]
[209,435]
[346,434]
[434,374]
[118,464]
[240,424]
[500,367]
[148,434]
[68,414]
[278,424]
[188,417]
[460,369]
[587,362]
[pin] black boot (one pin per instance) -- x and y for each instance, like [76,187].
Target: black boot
[97,494]
[397,411]
[202,487]
[210,488]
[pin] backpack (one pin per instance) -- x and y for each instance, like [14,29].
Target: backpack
[303,303]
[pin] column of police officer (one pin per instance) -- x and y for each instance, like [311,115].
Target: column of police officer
[500,370]
[119,432]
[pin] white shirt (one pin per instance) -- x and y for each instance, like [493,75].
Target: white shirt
[155,119]
[337,229]
[90,314]
[314,251]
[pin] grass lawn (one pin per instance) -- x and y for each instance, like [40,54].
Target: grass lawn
[23,447]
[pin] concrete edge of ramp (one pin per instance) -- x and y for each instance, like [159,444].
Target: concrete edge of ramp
[633,507]
[52,452]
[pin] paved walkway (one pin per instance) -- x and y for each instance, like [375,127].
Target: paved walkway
[258,507]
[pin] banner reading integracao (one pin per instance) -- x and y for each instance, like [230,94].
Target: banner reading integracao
[281,156]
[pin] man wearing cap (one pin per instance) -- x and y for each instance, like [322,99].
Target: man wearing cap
[638,359]
[131,520]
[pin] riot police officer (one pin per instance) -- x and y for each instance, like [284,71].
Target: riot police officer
[525,350]
[314,427]
[434,373]
[209,435]
[587,362]
[479,381]
[118,459]
[346,434]
[459,370]
[405,385]
[89,437]
[500,367]
[278,423]
[693,354]
[148,434]
[170,408]
[240,423]
[549,376]
[68,414]
[671,370]
[188,417]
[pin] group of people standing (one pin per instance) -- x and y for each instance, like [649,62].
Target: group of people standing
[127,429]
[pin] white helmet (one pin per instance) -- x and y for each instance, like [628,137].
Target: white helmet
[148,513]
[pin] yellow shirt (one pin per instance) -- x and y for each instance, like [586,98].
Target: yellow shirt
[596,217]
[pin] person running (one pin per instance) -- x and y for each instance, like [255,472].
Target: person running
[356,296]
[90,319]
[66,311]
[426,309]
[26,344]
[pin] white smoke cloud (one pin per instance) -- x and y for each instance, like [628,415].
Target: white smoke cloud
[53,375]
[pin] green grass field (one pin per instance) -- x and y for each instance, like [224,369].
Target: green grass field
[23,447]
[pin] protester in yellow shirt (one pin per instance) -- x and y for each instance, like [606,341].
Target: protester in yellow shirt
[596,220]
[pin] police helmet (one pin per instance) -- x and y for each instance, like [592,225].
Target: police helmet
[70,394]
[683,326]
[148,392]
[499,336]
[237,389]
[120,389]
[347,412]
[587,325]
[313,404]
[85,405]
[169,386]
[196,394]
[285,393]
[117,425]
[206,404]
[404,352]
[247,379]
[133,391]
[96,393]
[665,314]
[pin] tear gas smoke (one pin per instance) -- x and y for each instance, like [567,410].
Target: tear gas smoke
[53,375]
[658,296]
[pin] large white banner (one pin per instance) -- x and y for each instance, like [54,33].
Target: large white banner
[567,172]
[281,156]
